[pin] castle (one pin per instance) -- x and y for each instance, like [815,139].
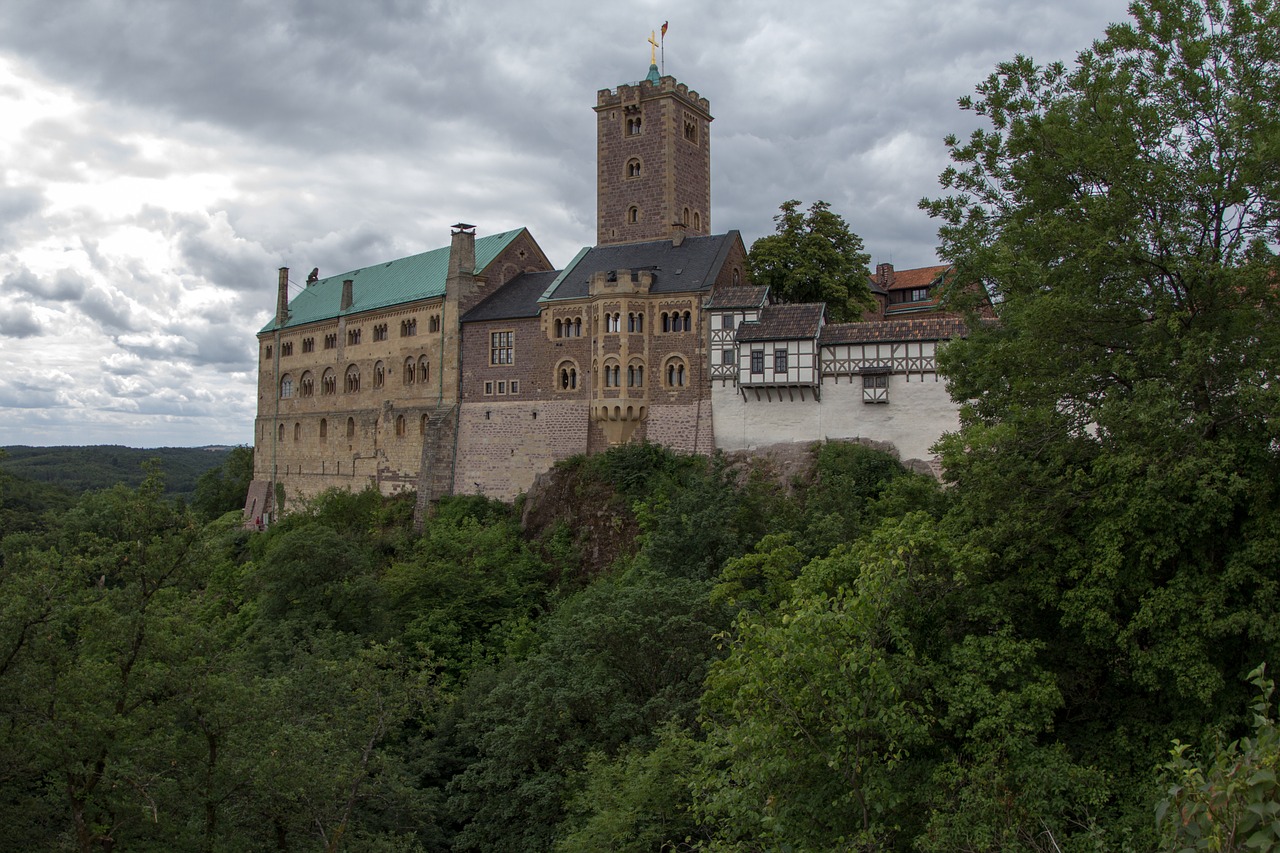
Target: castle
[475,367]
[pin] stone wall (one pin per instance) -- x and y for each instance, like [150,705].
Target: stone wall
[503,446]
[918,412]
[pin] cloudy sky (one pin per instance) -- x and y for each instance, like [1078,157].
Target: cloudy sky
[159,160]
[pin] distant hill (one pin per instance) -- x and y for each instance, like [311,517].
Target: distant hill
[79,469]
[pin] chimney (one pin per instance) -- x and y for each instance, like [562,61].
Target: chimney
[346,295]
[677,233]
[462,250]
[282,297]
[461,282]
[884,275]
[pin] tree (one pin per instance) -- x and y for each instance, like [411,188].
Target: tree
[814,257]
[223,488]
[1117,452]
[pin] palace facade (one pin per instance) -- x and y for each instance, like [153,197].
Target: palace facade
[475,367]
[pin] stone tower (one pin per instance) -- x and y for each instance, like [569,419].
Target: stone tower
[653,162]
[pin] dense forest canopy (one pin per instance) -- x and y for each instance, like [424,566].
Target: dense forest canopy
[1065,646]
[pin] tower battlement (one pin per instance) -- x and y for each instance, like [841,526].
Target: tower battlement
[631,92]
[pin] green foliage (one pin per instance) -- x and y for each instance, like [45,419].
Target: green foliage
[814,257]
[614,663]
[223,489]
[1117,452]
[1230,801]
[636,801]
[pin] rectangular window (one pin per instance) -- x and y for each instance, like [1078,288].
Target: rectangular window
[502,387]
[726,321]
[727,356]
[757,361]
[779,361]
[875,387]
[918,294]
[488,388]
[515,386]
[501,350]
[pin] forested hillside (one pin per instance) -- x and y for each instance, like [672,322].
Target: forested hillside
[79,469]
[1064,646]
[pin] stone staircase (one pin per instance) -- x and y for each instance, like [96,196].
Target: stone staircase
[435,470]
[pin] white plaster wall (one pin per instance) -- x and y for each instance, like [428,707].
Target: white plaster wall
[917,414]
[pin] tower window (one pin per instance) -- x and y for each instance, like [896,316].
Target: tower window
[691,130]
[633,168]
[633,126]
[633,214]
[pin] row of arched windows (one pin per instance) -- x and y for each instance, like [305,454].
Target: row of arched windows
[675,321]
[570,327]
[400,428]
[416,371]
[674,370]
[324,429]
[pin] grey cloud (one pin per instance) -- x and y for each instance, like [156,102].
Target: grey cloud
[19,321]
[63,286]
[110,308]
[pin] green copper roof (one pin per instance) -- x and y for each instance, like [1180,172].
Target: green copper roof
[652,76]
[392,283]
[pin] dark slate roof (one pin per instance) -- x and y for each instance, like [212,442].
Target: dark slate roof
[936,328]
[391,283]
[784,323]
[742,296]
[691,266]
[515,299]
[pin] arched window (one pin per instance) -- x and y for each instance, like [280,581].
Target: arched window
[324,429]
[424,370]
[633,168]
[399,426]
[635,322]
[329,382]
[353,379]
[379,374]
[433,324]
[685,220]
[697,221]
[675,373]
[559,328]
[633,214]
[306,385]
[577,327]
[567,376]
[666,322]
[635,376]
[633,126]
[281,432]
[297,431]
[612,375]
[422,425]
[351,427]
[410,370]
[286,386]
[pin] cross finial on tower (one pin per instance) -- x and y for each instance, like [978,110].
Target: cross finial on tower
[653,47]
